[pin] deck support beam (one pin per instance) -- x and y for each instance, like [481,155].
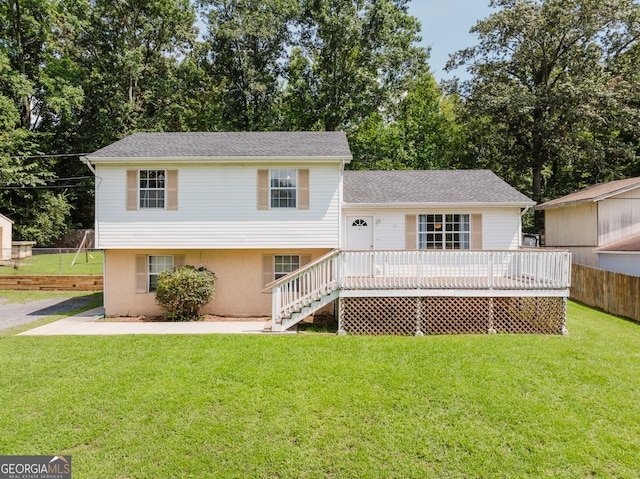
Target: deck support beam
[341,330]
[418,318]
[491,329]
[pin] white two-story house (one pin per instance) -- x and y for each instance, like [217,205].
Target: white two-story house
[287,230]
[250,207]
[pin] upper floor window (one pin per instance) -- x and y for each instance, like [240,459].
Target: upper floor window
[152,188]
[443,232]
[283,188]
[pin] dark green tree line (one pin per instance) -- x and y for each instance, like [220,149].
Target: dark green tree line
[552,102]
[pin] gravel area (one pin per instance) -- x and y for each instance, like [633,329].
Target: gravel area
[14,314]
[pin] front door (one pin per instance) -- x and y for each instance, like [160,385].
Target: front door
[360,233]
[360,238]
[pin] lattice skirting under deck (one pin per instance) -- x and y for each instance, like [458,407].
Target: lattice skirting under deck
[452,315]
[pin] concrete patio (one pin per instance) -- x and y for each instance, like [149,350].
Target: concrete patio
[88,324]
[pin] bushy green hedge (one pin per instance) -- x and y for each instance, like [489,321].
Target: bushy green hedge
[184,290]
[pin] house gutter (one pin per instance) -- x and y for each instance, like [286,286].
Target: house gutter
[526,208]
[433,205]
[118,160]
[86,161]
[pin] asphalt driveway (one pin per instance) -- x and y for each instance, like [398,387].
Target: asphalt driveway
[15,314]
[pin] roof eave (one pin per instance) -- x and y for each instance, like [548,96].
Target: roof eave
[440,204]
[217,159]
[543,206]
[593,199]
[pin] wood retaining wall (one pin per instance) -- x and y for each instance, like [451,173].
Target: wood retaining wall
[614,293]
[83,282]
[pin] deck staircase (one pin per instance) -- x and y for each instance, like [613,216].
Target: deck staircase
[305,291]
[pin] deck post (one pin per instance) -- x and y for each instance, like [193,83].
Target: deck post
[492,329]
[565,331]
[418,318]
[275,308]
[341,331]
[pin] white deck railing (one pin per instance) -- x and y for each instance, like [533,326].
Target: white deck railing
[395,270]
[456,269]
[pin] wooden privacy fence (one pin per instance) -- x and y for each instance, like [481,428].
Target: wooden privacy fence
[614,293]
[76,282]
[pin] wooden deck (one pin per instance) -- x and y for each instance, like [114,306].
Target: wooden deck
[421,274]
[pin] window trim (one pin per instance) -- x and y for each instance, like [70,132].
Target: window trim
[141,198]
[264,190]
[133,190]
[143,273]
[290,263]
[444,229]
[154,274]
[289,176]
[269,263]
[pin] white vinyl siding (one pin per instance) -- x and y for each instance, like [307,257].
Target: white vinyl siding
[500,225]
[218,210]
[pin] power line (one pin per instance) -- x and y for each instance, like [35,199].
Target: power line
[58,155]
[8,185]
[43,187]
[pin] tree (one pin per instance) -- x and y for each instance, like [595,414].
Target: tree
[543,98]
[418,131]
[353,57]
[38,91]
[247,42]
[125,56]
[129,51]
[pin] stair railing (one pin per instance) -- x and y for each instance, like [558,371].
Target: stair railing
[305,285]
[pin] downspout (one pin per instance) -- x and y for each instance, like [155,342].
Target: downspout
[341,231]
[86,161]
[526,208]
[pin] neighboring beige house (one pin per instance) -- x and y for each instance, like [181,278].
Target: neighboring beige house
[599,224]
[6,226]
[286,229]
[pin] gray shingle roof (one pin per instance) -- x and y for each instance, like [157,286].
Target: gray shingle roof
[228,144]
[429,186]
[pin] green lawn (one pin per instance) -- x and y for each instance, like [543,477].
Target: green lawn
[318,406]
[90,263]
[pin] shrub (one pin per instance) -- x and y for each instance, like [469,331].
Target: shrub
[184,290]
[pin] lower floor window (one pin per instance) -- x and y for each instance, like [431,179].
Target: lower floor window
[285,264]
[157,264]
[443,232]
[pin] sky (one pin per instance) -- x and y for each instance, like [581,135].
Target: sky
[445,28]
